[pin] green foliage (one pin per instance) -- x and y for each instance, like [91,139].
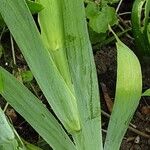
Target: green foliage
[148,31]
[103,1]
[140,27]
[96,37]
[27,76]
[100,18]
[112,1]
[33,6]
[1,50]
[41,64]
[128,94]
[8,139]
[34,112]
[146,93]
[61,60]
[44,69]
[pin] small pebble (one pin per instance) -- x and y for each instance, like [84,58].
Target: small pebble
[6,64]
[137,140]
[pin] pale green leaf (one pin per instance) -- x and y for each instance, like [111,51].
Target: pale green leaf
[23,28]
[83,73]
[33,6]
[7,136]
[128,94]
[27,105]
[92,9]
[52,33]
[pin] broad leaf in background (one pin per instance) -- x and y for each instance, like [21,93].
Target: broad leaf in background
[34,112]
[146,93]
[100,19]
[40,62]
[128,94]
[33,6]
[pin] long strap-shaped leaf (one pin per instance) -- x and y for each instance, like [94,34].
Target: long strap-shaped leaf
[128,94]
[7,136]
[23,28]
[33,6]
[34,112]
[60,28]
[83,73]
[52,33]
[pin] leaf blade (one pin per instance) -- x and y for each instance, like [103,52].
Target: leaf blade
[146,93]
[24,31]
[83,73]
[34,112]
[128,94]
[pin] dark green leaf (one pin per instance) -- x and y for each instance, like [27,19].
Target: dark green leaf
[34,6]
[27,76]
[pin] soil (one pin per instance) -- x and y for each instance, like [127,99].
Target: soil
[105,59]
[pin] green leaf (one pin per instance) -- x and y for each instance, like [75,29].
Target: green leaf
[33,6]
[34,112]
[7,136]
[52,33]
[148,31]
[40,62]
[100,21]
[139,30]
[27,76]
[146,93]
[112,1]
[96,37]
[81,64]
[128,94]
[1,50]
[92,9]
[31,146]
[83,74]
